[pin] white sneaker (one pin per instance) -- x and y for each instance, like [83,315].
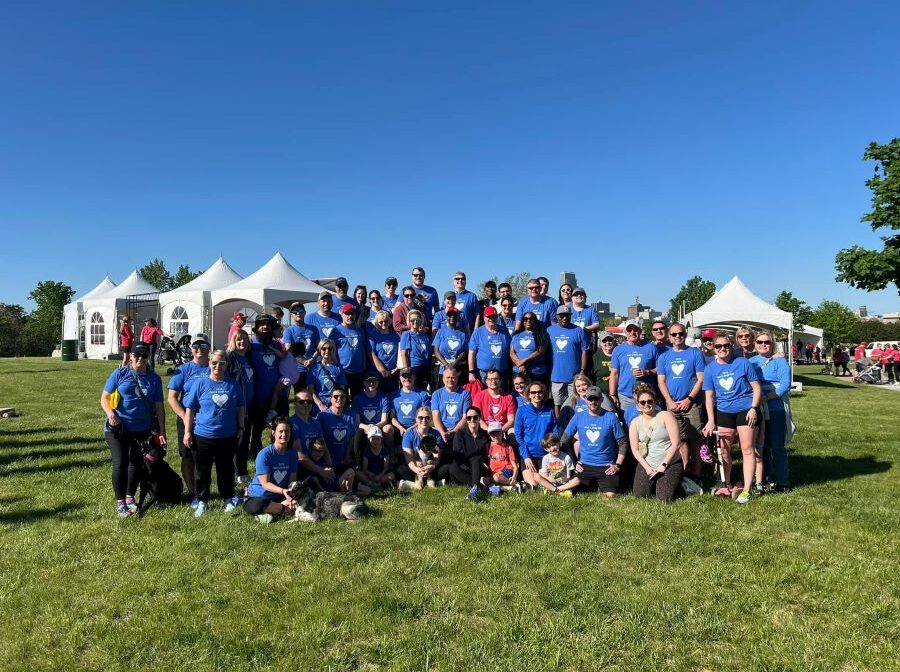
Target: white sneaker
[406,486]
[200,510]
[231,505]
[265,518]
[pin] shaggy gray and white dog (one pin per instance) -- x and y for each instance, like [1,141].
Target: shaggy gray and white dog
[313,507]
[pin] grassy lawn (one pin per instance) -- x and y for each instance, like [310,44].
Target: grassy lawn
[804,581]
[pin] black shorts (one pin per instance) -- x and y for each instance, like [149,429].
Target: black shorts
[125,348]
[597,476]
[731,420]
[256,505]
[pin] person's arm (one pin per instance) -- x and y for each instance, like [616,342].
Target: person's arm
[188,426]
[614,385]
[688,403]
[175,404]
[315,397]
[633,440]
[439,425]
[584,361]
[510,415]
[472,352]
[757,399]
[514,358]
[272,487]
[671,404]
[623,448]
[439,357]
[276,393]
[108,410]
[783,381]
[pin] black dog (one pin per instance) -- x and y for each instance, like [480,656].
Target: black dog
[159,482]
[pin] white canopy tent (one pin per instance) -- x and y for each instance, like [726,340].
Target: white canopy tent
[276,282]
[101,313]
[188,309]
[73,313]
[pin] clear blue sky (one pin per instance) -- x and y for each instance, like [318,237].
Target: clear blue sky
[637,144]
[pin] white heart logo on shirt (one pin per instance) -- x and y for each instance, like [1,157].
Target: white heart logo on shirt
[406,409]
[460,305]
[220,399]
[248,373]
[494,409]
[524,342]
[326,330]
[496,349]
[451,409]
[561,343]
[353,341]
[269,359]
[678,368]
[579,323]
[580,409]
[726,381]
[339,434]
[279,475]
[369,413]
[453,343]
[634,360]
[592,435]
[388,348]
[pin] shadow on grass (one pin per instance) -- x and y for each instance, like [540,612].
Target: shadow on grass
[43,453]
[821,381]
[812,469]
[16,372]
[5,430]
[37,468]
[57,441]
[12,499]
[35,515]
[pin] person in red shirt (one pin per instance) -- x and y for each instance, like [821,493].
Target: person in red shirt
[238,320]
[496,405]
[889,361]
[859,356]
[502,464]
[151,335]
[126,339]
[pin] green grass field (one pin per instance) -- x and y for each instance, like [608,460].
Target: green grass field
[804,581]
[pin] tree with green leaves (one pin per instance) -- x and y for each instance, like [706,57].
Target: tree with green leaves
[13,321]
[797,307]
[44,327]
[693,294]
[183,276]
[837,321]
[158,275]
[872,270]
[518,282]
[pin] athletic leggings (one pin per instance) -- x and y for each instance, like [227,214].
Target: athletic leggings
[465,474]
[188,474]
[127,461]
[664,487]
[220,452]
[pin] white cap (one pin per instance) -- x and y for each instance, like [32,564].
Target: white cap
[494,427]
[374,431]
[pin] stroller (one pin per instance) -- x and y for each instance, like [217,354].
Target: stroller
[827,370]
[711,453]
[166,352]
[177,352]
[871,374]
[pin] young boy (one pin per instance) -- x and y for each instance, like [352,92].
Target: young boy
[557,468]
[501,462]
[376,463]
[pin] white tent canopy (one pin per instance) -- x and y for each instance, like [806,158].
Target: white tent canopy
[734,305]
[187,309]
[276,282]
[101,313]
[72,312]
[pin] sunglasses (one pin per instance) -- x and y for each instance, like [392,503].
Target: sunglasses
[743,335]
[140,355]
[218,363]
[303,402]
[723,346]
[408,296]
[422,417]
[459,279]
[759,342]
[676,333]
[535,392]
[593,399]
[533,289]
[607,340]
[406,375]
[659,328]
[706,340]
[472,418]
[327,348]
[200,346]
[645,402]
[418,275]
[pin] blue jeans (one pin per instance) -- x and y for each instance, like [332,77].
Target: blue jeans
[775,460]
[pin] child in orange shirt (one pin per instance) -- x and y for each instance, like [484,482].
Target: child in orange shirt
[501,462]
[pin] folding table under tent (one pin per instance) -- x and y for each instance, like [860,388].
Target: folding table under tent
[188,309]
[276,282]
[73,313]
[101,315]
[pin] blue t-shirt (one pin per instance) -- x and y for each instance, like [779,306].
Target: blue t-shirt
[775,376]
[324,378]
[584,318]
[523,344]
[388,302]
[626,357]
[216,404]
[135,413]
[491,350]
[432,302]
[385,346]
[451,406]
[324,325]
[184,376]
[406,404]
[338,431]
[370,409]
[304,432]
[544,309]
[680,369]
[440,321]
[419,345]
[241,372]
[266,372]
[278,467]
[507,323]
[469,306]
[450,343]
[598,437]
[351,343]
[337,303]
[731,383]
[412,440]
[309,336]
[567,344]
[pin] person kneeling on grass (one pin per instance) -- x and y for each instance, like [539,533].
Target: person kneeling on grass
[557,474]
[600,444]
[276,468]
[655,444]
[502,464]
[421,450]
[376,462]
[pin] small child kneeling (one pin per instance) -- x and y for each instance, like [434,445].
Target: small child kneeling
[501,461]
[557,468]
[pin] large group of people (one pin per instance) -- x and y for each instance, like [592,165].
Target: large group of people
[411,389]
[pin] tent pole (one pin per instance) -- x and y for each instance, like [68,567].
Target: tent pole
[790,352]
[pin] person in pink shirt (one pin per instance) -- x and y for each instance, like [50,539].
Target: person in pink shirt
[238,321]
[496,405]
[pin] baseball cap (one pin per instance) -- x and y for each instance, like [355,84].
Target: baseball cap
[563,310]
[348,308]
[579,290]
[239,316]
[200,338]
[374,431]
[452,310]
[297,307]
[390,280]
[341,282]
[324,295]
[370,376]
[490,311]
[406,371]
[450,295]
[632,323]
[140,347]
[708,333]
[593,393]
[604,335]
[494,427]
